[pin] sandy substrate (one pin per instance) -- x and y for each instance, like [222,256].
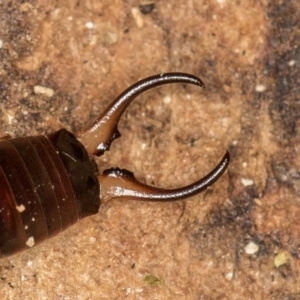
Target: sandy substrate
[62,62]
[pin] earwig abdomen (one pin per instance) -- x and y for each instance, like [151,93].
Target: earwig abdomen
[47,183]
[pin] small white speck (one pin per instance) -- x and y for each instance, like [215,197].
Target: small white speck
[251,248]
[247,182]
[20,208]
[38,89]
[143,146]
[25,227]
[29,263]
[260,88]
[292,63]
[258,202]
[70,18]
[229,275]
[92,240]
[89,25]
[167,99]
[10,118]
[30,242]
[33,219]
[1,44]
[137,16]
[225,121]
[244,164]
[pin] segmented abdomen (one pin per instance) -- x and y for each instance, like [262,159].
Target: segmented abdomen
[47,183]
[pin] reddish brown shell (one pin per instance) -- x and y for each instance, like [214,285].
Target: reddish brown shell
[47,183]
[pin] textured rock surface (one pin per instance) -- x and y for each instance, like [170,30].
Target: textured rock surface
[62,62]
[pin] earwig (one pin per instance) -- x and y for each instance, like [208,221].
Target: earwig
[49,182]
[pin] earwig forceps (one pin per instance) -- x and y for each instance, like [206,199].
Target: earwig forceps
[116,183]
